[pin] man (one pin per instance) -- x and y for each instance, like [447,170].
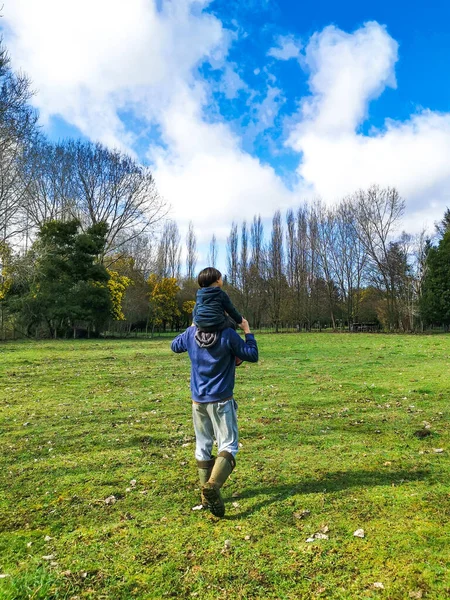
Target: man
[212,356]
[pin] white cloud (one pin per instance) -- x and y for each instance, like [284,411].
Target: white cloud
[97,57]
[346,72]
[287,47]
[231,83]
[90,59]
[213,180]
[263,113]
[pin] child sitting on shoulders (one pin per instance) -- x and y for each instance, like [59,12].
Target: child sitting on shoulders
[212,303]
[213,309]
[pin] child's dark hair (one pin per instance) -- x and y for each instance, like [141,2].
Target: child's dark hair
[208,276]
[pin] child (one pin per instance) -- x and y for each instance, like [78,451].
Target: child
[212,303]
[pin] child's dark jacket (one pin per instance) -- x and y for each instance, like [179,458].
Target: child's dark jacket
[210,308]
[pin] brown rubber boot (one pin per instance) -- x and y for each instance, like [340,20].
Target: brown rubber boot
[223,467]
[204,472]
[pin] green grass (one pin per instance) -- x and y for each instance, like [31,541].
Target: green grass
[327,425]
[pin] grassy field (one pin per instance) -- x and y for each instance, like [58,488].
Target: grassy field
[338,433]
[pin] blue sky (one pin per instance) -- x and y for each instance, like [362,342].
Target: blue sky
[243,107]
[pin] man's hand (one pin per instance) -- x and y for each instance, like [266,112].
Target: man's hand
[244,325]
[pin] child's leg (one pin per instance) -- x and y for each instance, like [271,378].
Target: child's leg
[219,326]
[229,322]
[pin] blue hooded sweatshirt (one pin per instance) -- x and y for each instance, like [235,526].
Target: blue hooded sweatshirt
[213,368]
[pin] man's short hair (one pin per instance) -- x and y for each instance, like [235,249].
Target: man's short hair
[208,276]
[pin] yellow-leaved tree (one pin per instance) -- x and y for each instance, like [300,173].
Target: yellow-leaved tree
[188,307]
[117,285]
[5,276]
[163,299]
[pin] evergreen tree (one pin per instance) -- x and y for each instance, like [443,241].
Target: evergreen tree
[435,300]
[444,224]
[69,284]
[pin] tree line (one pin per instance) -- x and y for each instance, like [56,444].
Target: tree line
[85,246]
[339,267]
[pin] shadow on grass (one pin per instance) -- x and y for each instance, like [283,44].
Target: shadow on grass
[329,483]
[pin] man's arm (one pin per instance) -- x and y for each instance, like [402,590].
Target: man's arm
[229,307]
[245,350]
[179,343]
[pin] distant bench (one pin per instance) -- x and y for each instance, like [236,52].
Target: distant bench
[366,327]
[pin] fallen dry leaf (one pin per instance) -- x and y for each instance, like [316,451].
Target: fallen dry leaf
[378,585]
[302,514]
[317,536]
[422,433]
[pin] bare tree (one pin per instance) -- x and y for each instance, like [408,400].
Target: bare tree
[232,255]
[377,212]
[421,247]
[244,268]
[191,254]
[349,259]
[323,240]
[257,242]
[256,283]
[142,249]
[110,186]
[274,268]
[50,194]
[212,255]
[17,134]
[169,251]
[291,249]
